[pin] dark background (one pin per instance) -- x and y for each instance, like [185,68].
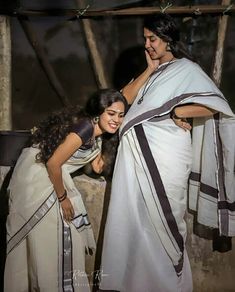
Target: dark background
[120,41]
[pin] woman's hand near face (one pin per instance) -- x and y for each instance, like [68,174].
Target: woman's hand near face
[152,64]
[60,156]
[131,90]
[98,164]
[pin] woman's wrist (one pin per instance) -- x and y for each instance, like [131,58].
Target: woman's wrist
[173,115]
[149,70]
[61,198]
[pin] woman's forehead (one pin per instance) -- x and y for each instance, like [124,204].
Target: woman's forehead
[117,106]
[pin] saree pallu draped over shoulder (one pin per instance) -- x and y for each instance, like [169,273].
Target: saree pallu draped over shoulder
[144,242]
[43,251]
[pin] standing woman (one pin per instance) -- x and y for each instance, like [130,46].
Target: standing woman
[48,231]
[145,233]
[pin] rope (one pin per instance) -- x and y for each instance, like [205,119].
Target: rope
[227,9]
[163,9]
[80,12]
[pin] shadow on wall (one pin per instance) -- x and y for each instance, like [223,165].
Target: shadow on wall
[33,98]
[129,64]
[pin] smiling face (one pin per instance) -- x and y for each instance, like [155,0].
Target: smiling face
[156,47]
[111,119]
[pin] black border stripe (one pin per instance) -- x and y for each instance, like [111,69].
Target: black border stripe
[62,270]
[33,221]
[222,196]
[195,176]
[67,271]
[226,205]
[206,189]
[30,217]
[155,199]
[165,108]
[159,187]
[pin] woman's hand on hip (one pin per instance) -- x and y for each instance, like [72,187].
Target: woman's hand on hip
[67,208]
[182,123]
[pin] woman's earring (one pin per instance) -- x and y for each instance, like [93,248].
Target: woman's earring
[96,119]
[168,47]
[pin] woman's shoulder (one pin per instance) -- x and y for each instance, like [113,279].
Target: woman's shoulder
[189,68]
[84,128]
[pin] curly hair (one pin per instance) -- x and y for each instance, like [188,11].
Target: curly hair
[52,131]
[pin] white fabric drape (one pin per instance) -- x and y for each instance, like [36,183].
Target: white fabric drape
[145,230]
[44,252]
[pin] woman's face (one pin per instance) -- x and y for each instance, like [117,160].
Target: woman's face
[111,119]
[156,47]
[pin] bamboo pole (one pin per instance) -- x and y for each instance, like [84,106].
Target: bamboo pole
[5,74]
[5,117]
[95,56]
[135,11]
[43,60]
[219,55]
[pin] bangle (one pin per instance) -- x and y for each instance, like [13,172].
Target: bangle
[63,197]
[173,115]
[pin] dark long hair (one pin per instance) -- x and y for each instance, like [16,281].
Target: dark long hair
[165,27]
[102,99]
[52,131]
[95,107]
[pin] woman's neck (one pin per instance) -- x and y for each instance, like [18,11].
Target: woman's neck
[166,58]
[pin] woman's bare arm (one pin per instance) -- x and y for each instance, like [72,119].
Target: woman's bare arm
[60,156]
[131,90]
[181,113]
[193,111]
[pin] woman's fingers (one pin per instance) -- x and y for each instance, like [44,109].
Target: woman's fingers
[182,123]
[70,214]
[186,126]
[151,63]
[68,211]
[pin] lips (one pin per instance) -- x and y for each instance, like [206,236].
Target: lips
[151,53]
[113,126]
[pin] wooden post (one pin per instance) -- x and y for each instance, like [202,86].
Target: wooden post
[219,54]
[5,74]
[43,59]
[95,55]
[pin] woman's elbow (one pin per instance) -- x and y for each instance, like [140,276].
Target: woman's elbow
[52,166]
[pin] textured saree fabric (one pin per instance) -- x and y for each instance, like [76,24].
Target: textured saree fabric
[44,253]
[145,230]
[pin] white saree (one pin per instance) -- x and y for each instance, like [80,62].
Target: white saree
[144,242]
[44,253]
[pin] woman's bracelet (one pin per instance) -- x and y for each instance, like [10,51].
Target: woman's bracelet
[63,197]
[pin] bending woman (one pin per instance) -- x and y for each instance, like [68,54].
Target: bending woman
[47,227]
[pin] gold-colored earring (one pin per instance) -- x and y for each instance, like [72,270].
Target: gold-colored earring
[168,47]
[96,119]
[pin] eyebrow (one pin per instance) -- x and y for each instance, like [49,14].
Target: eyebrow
[115,111]
[149,36]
